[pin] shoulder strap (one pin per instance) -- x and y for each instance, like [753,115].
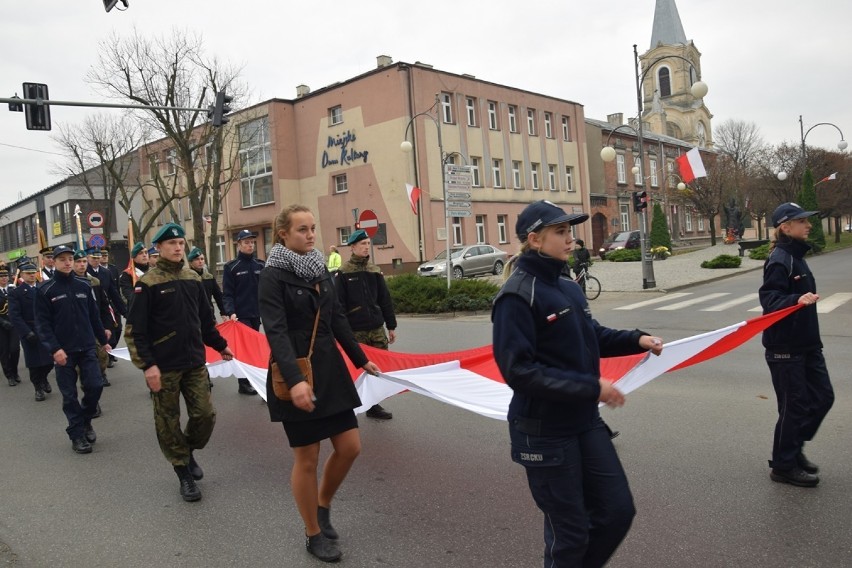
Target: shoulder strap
[316,324]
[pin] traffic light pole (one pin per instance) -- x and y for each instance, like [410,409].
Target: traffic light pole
[40,102]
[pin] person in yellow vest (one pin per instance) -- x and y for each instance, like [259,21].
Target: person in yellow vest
[334,260]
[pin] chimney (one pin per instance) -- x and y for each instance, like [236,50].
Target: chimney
[302,90]
[383,61]
[616,118]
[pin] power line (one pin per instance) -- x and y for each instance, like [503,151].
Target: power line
[30,149]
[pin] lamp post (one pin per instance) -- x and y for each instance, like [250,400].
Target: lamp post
[408,147]
[842,145]
[698,90]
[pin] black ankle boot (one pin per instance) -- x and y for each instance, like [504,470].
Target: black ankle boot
[188,489]
[194,468]
[324,520]
[323,547]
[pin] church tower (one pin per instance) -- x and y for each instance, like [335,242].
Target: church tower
[668,106]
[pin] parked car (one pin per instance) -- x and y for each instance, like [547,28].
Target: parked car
[618,241]
[466,261]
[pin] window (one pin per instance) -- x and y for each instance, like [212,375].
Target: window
[551,177]
[480,228]
[470,104]
[343,235]
[161,218]
[62,214]
[457,231]
[652,163]
[341,185]
[268,240]
[620,172]
[447,107]
[569,178]
[531,122]
[637,177]
[513,118]
[566,129]
[474,172]
[220,250]
[492,115]
[670,173]
[255,162]
[625,216]
[548,125]
[687,219]
[171,162]
[516,174]
[187,212]
[700,223]
[502,221]
[664,82]
[210,153]
[335,115]
[497,171]
[534,172]
[209,209]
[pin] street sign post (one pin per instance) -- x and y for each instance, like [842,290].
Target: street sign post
[369,222]
[95,219]
[457,185]
[97,241]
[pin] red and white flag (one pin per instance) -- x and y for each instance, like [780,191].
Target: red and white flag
[413,196]
[828,178]
[691,166]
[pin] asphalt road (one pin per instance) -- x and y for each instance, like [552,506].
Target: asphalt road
[435,486]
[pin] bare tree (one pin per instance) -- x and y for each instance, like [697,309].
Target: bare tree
[708,194]
[739,140]
[174,71]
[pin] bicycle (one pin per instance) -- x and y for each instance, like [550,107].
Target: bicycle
[591,286]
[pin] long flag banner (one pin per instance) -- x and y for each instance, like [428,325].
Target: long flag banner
[470,378]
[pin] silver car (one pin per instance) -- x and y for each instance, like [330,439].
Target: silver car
[466,261]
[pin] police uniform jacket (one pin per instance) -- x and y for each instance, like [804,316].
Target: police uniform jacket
[66,314]
[110,287]
[288,307]
[170,320]
[104,313]
[5,323]
[548,348]
[211,287]
[239,285]
[22,316]
[786,276]
[364,294]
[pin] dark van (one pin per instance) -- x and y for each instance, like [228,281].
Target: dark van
[618,241]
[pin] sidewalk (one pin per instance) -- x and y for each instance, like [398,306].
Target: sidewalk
[675,272]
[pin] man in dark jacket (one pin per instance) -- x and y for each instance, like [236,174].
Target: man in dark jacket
[67,325]
[169,323]
[127,280]
[105,313]
[239,289]
[366,302]
[110,287]
[196,262]
[49,266]
[113,274]
[10,346]
[22,315]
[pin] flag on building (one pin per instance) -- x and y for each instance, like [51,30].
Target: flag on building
[828,178]
[691,166]
[413,196]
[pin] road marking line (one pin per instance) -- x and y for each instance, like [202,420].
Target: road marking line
[731,303]
[665,298]
[694,301]
[833,302]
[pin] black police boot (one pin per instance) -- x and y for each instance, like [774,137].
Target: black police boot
[12,381]
[106,382]
[323,547]
[46,387]
[194,468]
[188,489]
[245,387]
[376,411]
[807,464]
[89,432]
[17,379]
[324,520]
[97,413]
[39,395]
[795,476]
[111,362]
[81,446]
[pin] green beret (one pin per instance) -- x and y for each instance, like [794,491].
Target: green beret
[168,232]
[80,254]
[137,248]
[357,236]
[194,253]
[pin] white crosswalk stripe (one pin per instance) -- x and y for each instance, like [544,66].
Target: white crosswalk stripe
[693,301]
[824,306]
[659,300]
[833,302]
[731,303]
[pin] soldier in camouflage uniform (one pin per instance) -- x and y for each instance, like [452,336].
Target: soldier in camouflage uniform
[169,323]
[367,304]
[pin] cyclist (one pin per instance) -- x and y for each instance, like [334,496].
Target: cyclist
[582,257]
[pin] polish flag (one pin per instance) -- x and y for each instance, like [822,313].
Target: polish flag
[470,378]
[691,166]
[828,178]
[413,196]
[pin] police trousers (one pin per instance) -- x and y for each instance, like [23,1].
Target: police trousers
[805,395]
[579,484]
[79,412]
[194,385]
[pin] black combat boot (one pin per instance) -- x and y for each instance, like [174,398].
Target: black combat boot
[194,468]
[323,547]
[39,395]
[81,446]
[188,489]
[324,520]
[245,387]
[46,387]
[89,432]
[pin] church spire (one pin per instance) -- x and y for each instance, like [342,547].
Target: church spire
[667,27]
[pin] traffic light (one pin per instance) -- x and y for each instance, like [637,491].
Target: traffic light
[640,200]
[38,116]
[217,112]
[110,4]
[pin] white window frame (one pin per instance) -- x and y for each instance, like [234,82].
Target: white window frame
[492,116]
[513,119]
[446,108]
[516,174]
[470,105]
[476,181]
[534,174]
[341,183]
[620,169]
[458,237]
[531,121]
[220,250]
[548,125]
[502,235]
[569,178]
[343,234]
[701,223]
[497,172]
[637,177]
[566,128]
[335,115]
[652,163]
[551,177]
[171,162]
[255,151]
[480,229]
[624,213]
[687,219]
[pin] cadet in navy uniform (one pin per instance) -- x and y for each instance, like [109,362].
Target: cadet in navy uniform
[47,258]
[10,347]
[115,294]
[127,280]
[67,324]
[110,288]
[548,349]
[22,314]
[794,348]
[239,289]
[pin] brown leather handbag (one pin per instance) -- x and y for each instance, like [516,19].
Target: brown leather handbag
[279,385]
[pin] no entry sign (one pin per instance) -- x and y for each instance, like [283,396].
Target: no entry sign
[369,222]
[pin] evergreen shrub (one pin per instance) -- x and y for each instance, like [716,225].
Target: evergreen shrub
[723,261]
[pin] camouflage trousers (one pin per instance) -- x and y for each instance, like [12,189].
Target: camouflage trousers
[194,385]
[374,337]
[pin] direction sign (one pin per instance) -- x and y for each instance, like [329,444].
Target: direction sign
[95,219]
[97,241]
[458,204]
[369,222]
[458,195]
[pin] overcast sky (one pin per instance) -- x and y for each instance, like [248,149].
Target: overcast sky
[765,62]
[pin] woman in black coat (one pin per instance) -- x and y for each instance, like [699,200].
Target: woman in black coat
[293,286]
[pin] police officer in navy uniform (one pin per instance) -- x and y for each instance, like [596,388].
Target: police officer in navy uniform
[114,274]
[47,258]
[110,288]
[240,281]
[10,347]
[548,348]
[67,324]
[22,314]
[127,280]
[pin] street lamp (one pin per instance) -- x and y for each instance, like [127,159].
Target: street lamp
[698,90]
[842,145]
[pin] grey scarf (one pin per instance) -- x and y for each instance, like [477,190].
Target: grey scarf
[307,266]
